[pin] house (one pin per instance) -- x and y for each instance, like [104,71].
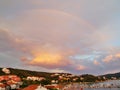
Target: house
[10,81]
[34,78]
[35,87]
[53,86]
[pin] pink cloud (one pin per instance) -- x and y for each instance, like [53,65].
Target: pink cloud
[111,58]
[81,67]
[108,59]
[47,60]
[96,62]
[117,55]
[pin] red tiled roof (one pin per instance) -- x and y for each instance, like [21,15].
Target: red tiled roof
[10,77]
[16,79]
[31,87]
[6,77]
[51,86]
[2,85]
[10,83]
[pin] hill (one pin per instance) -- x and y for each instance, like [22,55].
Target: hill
[25,73]
[109,76]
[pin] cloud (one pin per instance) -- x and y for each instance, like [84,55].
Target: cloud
[117,55]
[57,28]
[47,39]
[48,60]
[45,56]
[53,31]
[6,40]
[108,59]
[46,35]
[10,42]
[111,58]
[96,62]
[81,67]
[10,50]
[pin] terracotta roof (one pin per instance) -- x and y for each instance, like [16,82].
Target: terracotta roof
[10,77]
[16,79]
[6,77]
[2,85]
[10,83]
[31,87]
[52,86]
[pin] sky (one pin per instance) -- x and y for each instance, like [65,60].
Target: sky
[73,36]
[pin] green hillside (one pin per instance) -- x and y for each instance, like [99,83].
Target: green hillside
[109,76]
[26,73]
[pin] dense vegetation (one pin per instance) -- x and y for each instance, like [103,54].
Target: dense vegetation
[109,76]
[26,73]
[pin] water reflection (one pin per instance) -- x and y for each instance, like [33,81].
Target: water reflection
[107,85]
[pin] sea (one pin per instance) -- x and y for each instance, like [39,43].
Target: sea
[101,89]
[92,89]
[107,85]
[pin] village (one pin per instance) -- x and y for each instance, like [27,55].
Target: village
[56,81]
